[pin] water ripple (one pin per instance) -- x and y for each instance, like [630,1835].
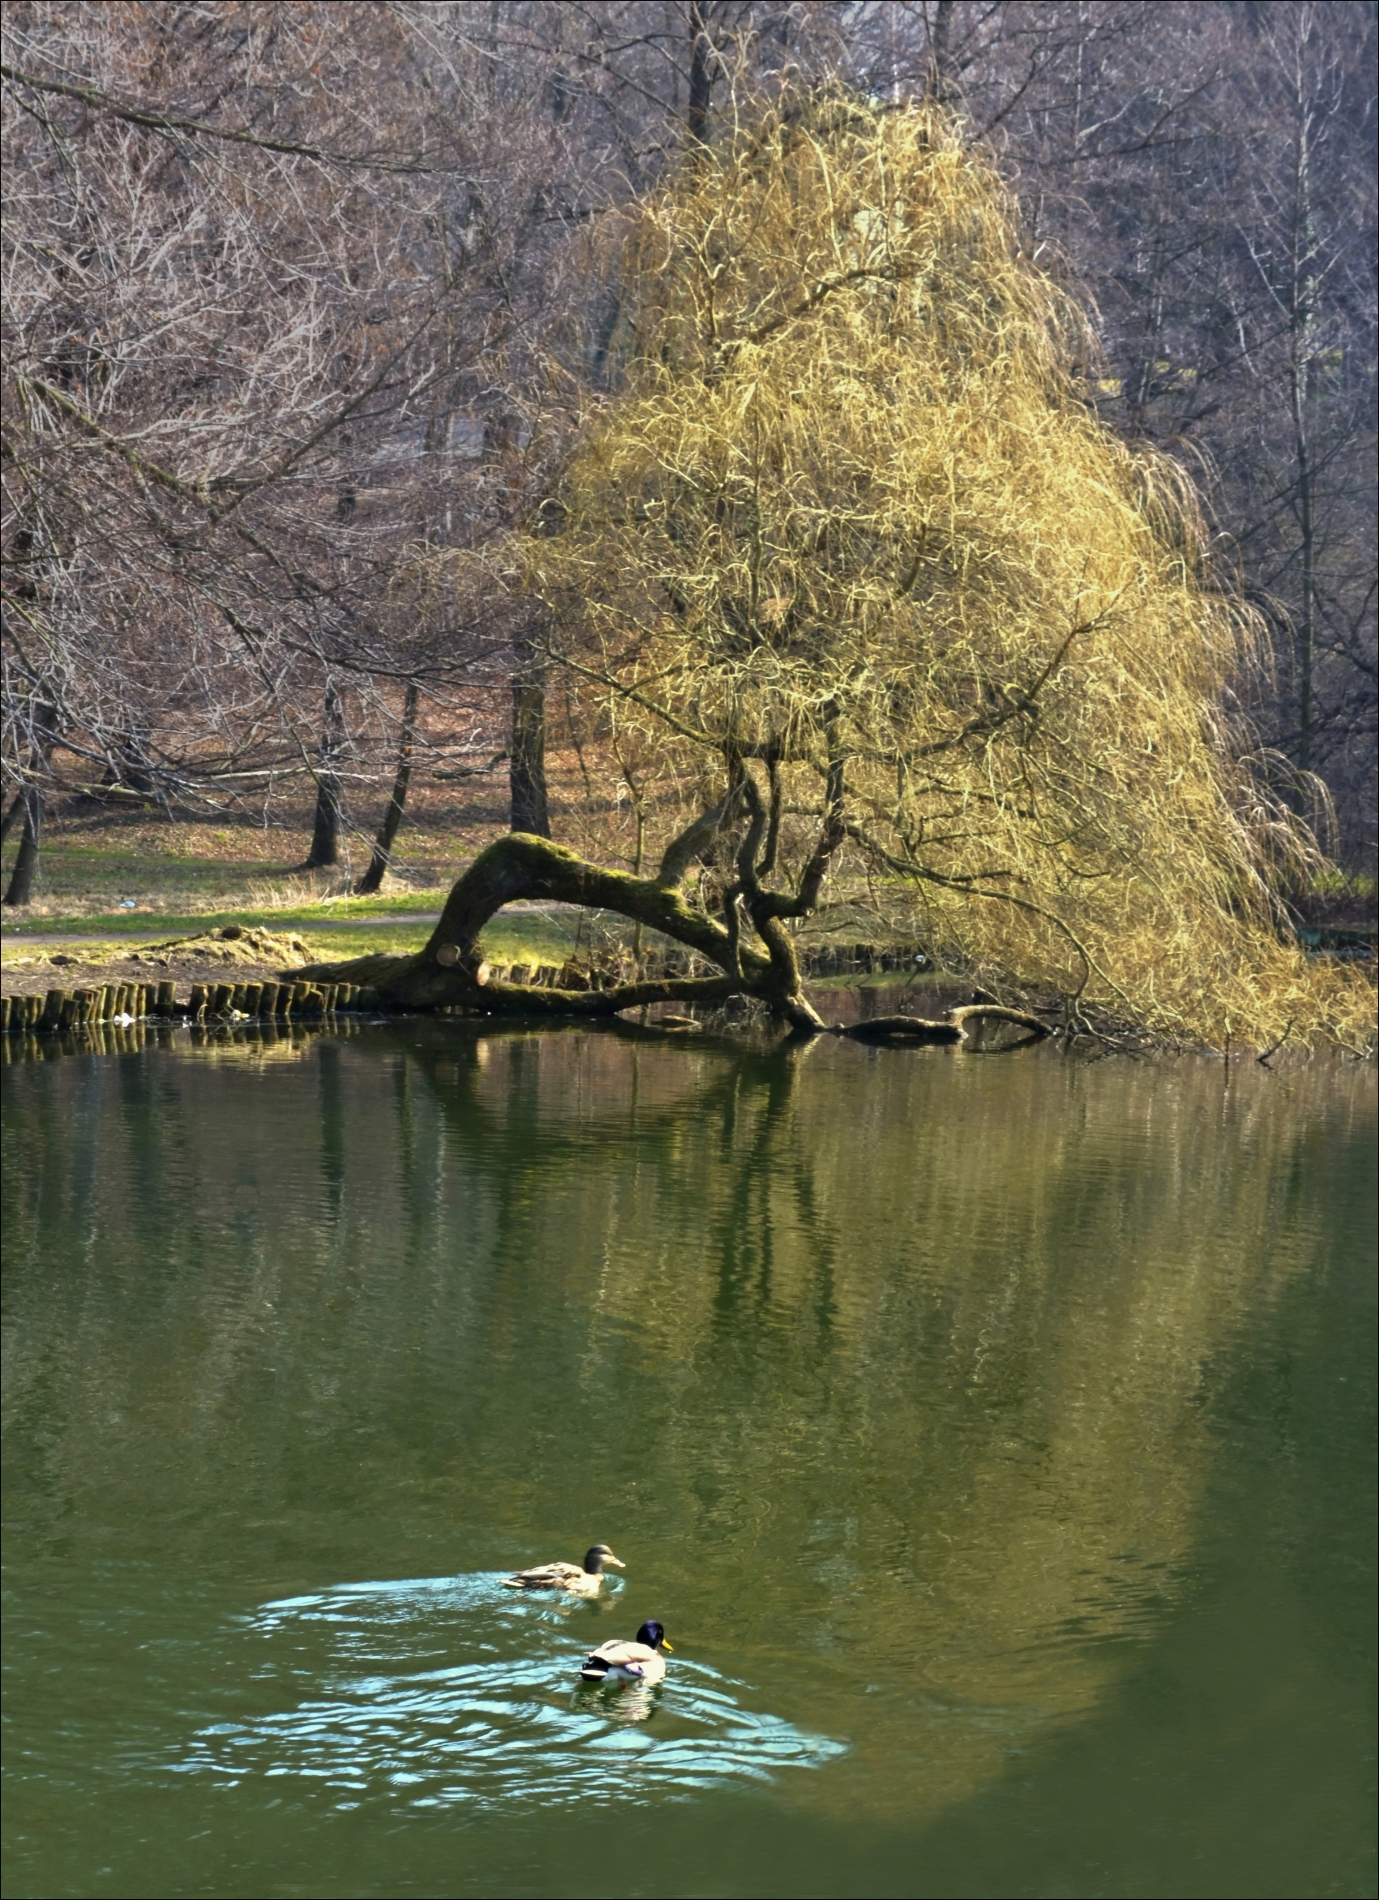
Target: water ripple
[504,1725]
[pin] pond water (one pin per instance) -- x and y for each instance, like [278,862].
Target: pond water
[994,1436]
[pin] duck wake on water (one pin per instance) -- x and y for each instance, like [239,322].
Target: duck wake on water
[448,1692]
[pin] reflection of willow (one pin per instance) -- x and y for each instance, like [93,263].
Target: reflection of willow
[532,1110]
[889,1367]
[979,1447]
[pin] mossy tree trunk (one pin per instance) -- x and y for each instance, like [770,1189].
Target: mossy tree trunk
[523,867]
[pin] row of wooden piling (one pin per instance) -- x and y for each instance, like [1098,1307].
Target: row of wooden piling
[277,1002]
[125,1003]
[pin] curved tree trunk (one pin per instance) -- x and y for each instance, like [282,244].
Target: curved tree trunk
[448,971]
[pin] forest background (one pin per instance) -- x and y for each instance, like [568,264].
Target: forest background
[293,289]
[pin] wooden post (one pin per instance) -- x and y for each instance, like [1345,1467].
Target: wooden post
[220,998]
[167,999]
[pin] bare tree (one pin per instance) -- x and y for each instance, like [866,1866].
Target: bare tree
[288,290]
[250,354]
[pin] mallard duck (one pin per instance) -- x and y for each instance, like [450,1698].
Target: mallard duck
[585,1581]
[639,1661]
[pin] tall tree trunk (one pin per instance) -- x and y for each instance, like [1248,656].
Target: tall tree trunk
[939,81]
[1303,314]
[527,753]
[328,824]
[26,863]
[701,71]
[28,805]
[397,803]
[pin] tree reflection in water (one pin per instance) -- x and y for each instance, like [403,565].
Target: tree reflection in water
[894,1370]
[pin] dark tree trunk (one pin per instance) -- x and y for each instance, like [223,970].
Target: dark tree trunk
[700,73]
[328,824]
[26,863]
[129,768]
[527,755]
[940,79]
[28,805]
[397,803]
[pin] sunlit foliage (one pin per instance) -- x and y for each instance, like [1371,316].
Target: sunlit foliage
[849,529]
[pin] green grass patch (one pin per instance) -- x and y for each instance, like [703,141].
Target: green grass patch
[69,871]
[533,937]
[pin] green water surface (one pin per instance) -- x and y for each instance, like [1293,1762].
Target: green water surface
[994,1435]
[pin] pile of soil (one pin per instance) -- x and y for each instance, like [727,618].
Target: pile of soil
[235,946]
[207,957]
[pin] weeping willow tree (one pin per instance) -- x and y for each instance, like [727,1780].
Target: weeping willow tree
[854,561]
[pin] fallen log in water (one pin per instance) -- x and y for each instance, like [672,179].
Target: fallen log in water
[900,1030]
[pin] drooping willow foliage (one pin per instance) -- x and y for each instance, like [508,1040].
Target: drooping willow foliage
[851,528]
